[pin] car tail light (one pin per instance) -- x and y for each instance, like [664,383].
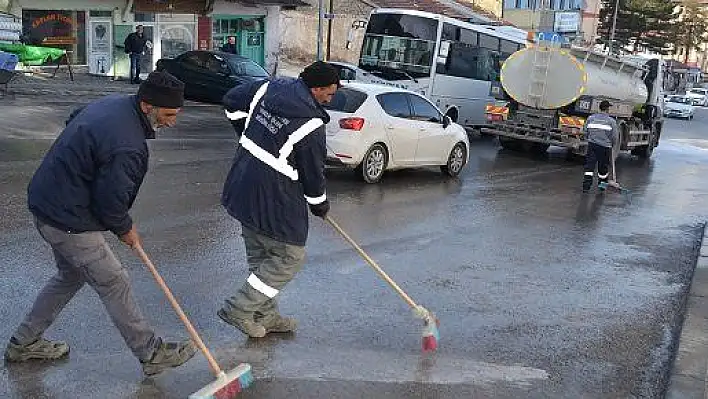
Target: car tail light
[352,123]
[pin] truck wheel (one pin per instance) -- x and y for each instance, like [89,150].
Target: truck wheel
[536,148]
[643,152]
[510,144]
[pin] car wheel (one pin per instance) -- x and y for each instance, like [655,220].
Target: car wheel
[374,164]
[455,161]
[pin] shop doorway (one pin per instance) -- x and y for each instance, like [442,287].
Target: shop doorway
[147,63]
[249,32]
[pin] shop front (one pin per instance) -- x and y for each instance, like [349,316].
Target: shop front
[62,29]
[249,32]
[93,33]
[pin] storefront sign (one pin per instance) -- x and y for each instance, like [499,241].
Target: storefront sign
[567,22]
[100,38]
[100,47]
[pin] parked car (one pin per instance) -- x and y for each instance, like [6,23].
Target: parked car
[376,128]
[678,107]
[698,96]
[208,75]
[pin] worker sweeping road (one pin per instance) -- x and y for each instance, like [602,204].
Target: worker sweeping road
[602,135]
[277,172]
[86,184]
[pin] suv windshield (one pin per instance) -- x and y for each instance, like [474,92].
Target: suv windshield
[699,91]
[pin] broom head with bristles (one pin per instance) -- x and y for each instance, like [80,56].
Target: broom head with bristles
[431,335]
[227,385]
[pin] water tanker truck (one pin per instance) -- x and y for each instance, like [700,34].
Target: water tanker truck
[546,92]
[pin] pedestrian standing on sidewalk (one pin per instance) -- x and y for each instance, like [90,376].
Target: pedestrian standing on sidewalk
[602,135]
[135,45]
[278,171]
[86,184]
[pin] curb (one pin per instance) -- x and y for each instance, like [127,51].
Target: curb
[689,375]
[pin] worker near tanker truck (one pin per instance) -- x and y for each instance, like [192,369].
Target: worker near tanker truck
[601,133]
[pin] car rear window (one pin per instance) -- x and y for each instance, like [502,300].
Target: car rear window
[346,100]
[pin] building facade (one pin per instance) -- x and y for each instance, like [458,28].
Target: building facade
[93,32]
[561,17]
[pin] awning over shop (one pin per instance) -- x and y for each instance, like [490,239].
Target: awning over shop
[33,55]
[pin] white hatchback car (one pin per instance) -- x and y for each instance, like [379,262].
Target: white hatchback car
[375,128]
[698,95]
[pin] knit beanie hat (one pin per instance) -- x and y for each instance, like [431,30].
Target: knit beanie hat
[163,90]
[320,74]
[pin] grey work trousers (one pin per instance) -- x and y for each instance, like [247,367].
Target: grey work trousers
[86,258]
[272,264]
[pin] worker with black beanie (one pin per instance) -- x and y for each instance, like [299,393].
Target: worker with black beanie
[277,174]
[86,184]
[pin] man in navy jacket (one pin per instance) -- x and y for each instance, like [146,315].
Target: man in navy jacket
[86,184]
[278,171]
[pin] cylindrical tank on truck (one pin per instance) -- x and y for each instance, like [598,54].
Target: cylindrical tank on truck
[547,93]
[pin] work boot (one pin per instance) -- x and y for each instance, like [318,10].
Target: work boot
[587,183]
[246,326]
[279,324]
[169,355]
[40,349]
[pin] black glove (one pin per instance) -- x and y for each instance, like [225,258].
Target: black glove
[320,210]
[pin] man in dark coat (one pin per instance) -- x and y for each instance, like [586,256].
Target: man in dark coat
[230,46]
[135,45]
[86,184]
[278,171]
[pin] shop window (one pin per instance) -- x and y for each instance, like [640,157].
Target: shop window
[176,39]
[57,28]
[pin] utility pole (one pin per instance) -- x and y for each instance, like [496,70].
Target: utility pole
[614,26]
[320,14]
[329,28]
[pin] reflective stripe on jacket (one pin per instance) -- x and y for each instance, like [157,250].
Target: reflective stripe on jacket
[279,164]
[601,129]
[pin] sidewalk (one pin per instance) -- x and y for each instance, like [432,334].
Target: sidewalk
[689,377]
[90,85]
[62,85]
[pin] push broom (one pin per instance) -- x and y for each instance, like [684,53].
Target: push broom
[431,336]
[226,385]
[612,183]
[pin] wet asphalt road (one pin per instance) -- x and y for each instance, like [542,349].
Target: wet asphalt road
[541,291]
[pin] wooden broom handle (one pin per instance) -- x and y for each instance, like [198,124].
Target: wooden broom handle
[192,332]
[371,262]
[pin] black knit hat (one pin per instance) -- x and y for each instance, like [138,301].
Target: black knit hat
[320,74]
[162,90]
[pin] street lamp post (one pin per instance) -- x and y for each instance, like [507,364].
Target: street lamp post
[614,26]
[320,13]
